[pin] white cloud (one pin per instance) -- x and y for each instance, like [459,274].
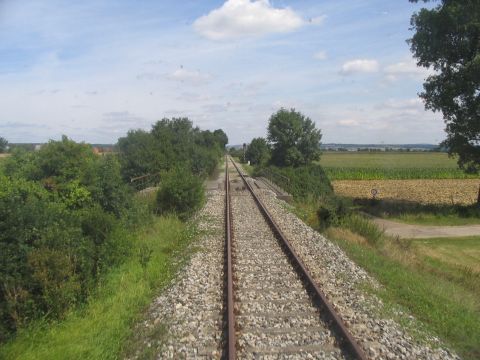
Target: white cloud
[318,20]
[243,18]
[320,55]
[359,66]
[348,122]
[405,104]
[406,68]
[184,75]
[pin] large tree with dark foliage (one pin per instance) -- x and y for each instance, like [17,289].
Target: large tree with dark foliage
[3,144]
[170,143]
[258,151]
[447,39]
[294,138]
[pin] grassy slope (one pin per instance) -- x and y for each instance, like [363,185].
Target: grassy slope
[462,252]
[442,296]
[100,330]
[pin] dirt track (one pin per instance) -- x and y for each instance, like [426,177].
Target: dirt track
[422,231]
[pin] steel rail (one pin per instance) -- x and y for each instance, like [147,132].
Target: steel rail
[229,269]
[348,341]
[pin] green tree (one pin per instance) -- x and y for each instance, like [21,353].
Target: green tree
[3,145]
[258,151]
[170,142]
[294,138]
[221,138]
[180,193]
[447,39]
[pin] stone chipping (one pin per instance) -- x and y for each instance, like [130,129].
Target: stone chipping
[274,314]
[341,280]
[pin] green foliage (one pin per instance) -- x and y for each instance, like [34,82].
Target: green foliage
[180,192]
[310,187]
[236,153]
[64,214]
[258,152]
[294,138]
[101,327]
[113,195]
[446,39]
[3,145]
[301,182]
[170,142]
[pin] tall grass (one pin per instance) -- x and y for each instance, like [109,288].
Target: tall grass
[363,227]
[99,330]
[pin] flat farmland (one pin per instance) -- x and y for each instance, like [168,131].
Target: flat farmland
[426,192]
[390,165]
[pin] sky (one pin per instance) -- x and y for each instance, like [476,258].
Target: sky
[94,69]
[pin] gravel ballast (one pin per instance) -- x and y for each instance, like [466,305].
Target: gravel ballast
[275,317]
[341,279]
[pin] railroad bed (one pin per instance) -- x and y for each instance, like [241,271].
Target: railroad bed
[275,315]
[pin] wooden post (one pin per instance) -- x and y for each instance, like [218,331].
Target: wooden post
[478,197]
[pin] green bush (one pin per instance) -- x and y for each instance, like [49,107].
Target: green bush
[331,211]
[180,192]
[309,184]
[302,182]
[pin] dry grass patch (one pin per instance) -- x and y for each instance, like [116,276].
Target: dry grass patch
[450,192]
[345,234]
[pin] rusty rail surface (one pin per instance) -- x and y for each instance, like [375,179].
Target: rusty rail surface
[321,300]
[229,268]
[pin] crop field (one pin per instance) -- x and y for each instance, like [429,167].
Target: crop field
[437,191]
[390,165]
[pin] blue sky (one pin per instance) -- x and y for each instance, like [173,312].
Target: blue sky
[95,69]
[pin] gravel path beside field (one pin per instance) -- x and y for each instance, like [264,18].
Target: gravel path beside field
[408,231]
[340,279]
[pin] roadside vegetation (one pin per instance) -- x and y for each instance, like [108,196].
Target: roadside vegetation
[81,253]
[101,327]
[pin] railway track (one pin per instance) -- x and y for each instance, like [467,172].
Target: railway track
[274,308]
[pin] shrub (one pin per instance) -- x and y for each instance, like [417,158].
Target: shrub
[54,273]
[180,192]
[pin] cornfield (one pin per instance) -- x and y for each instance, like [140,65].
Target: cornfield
[362,173]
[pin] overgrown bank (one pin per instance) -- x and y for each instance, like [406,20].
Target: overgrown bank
[71,233]
[99,329]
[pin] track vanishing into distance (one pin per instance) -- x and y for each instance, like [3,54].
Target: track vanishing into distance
[274,309]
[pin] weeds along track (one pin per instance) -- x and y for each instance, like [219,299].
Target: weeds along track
[274,310]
